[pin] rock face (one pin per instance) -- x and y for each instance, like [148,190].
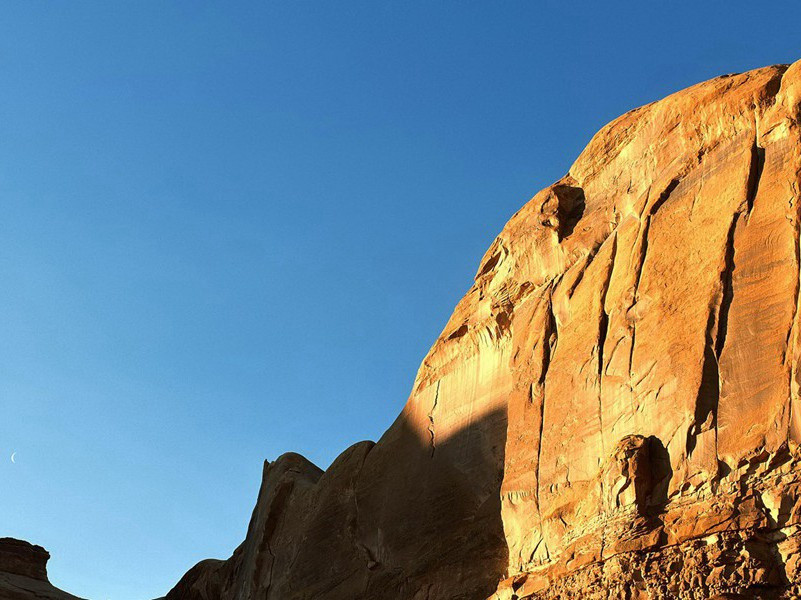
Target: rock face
[23,573]
[613,409]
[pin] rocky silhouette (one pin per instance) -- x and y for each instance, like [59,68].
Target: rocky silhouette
[23,573]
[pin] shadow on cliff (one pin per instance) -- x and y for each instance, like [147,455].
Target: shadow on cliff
[441,500]
[414,516]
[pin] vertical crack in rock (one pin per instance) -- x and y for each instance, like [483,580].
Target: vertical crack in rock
[431,419]
[550,338]
[603,332]
[755,174]
[580,277]
[708,397]
[603,329]
[796,290]
[794,218]
[663,197]
[727,289]
[791,354]
[795,203]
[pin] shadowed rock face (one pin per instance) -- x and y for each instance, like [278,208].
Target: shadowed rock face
[613,409]
[23,572]
[21,558]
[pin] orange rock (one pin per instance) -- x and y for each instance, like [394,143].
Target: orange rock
[613,409]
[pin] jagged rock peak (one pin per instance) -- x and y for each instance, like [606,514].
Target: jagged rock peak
[23,558]
[23,572]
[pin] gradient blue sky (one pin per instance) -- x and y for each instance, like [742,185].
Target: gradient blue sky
[231,230]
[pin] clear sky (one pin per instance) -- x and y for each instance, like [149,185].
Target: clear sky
[230,230]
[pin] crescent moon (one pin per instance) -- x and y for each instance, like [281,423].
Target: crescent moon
[13,456]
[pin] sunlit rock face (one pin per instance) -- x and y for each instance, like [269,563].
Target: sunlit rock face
[613,409]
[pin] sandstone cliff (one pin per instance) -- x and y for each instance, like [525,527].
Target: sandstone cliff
[23,573]
[613,409]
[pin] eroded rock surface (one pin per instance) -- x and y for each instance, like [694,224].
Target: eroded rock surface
[23,573]
[613,409]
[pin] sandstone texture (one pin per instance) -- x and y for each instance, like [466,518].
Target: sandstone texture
[23,573]
[613,409]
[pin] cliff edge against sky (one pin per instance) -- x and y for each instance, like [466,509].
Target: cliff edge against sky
[23,573]
[612,410]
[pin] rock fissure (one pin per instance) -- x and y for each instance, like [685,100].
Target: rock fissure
[793,372]
[550,339]
[431,427]
[755,174]
[727,285]
[651,212]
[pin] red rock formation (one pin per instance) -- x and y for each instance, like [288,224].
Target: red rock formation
[612,410]
[23,573]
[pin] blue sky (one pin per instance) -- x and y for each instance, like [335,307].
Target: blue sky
[232,230]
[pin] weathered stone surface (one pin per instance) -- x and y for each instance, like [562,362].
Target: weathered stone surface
[613,409]
[23,572]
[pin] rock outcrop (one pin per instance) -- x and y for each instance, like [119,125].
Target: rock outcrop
[613,409]
[23,573]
